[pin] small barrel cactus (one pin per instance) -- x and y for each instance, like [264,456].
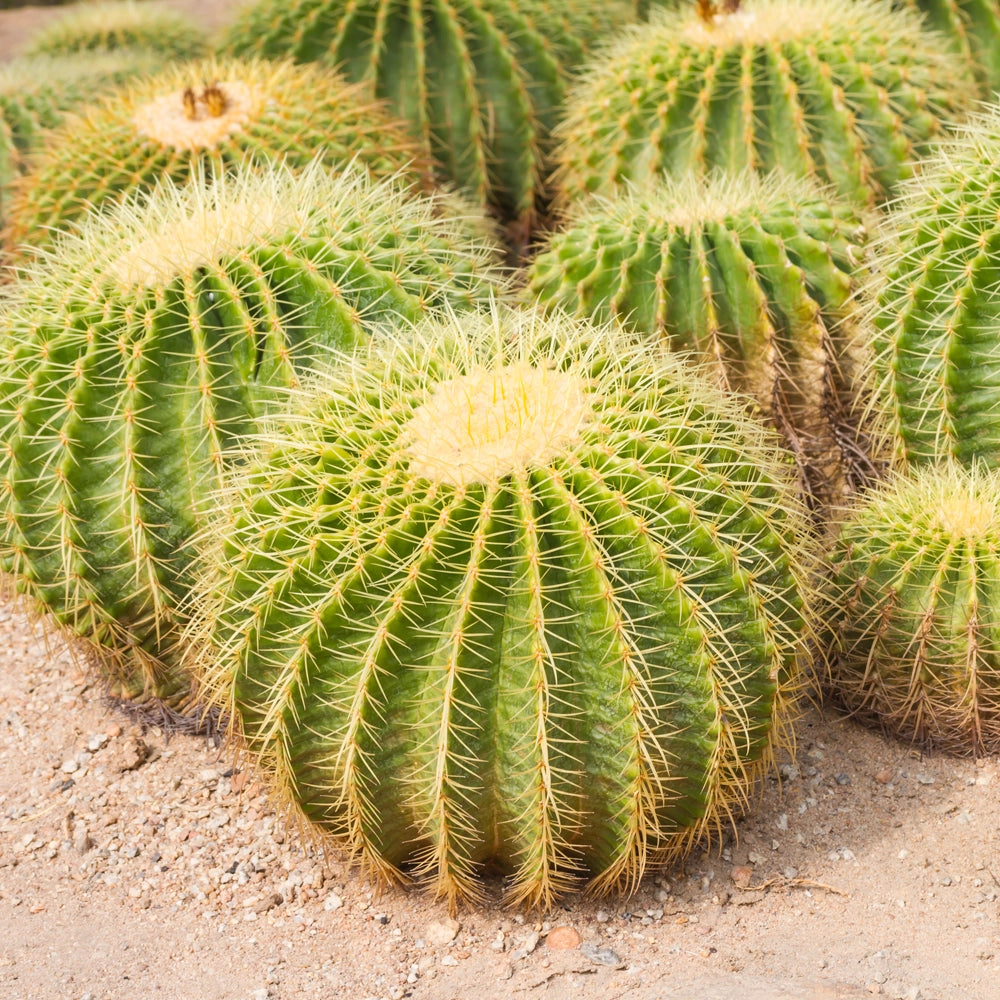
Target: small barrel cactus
[36,93]
[140,349]
[936,305]
[913,602]
[508,589]
[846,93]
[972,27]
[105,25]
[756,277]
[216,113]
[481,82]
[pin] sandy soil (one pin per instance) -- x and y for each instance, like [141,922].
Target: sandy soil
[136,866]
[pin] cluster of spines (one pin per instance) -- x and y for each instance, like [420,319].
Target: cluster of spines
[139,349]
[293,113]
[481,82]
[573,668]
[848,94]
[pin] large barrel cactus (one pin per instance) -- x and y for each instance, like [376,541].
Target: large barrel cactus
[846,93]
[214,114]
[481,82]
[106,25]
[913,605]
[138,351]
[936,305]
[508,589]
[756,277]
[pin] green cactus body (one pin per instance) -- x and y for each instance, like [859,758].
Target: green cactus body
[120,24]
[139,350]
[913,602]
[481,82]
[846,93]
[936,305]
[36,93]
[212,114]
[755,276]
[508,589]
[973,29]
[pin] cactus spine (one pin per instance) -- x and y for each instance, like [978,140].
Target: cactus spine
[481,82]
[848,94]
[914,604]
[936,305]
[140,349]
[513,589]
[211,114]
[753,275]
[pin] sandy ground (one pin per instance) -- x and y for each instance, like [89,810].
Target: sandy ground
[136,866]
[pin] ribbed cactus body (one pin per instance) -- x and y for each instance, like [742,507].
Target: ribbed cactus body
[847,93]
[210,115]
[36,93]
[139,351]
[481,82]
[106,25]
[936,305]
[972,27]
[913,605]
[753,276]
[509,589]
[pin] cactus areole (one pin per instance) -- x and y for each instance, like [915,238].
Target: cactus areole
[512,590]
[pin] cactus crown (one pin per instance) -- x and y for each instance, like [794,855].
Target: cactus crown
[814,87]
[235,110]
[935,303]
[512,588]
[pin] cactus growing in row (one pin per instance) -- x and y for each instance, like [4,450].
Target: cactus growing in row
[139,349]
[936,305]
[36,93]
[846,93]
[215,113]
[756,277]
[106,25]
[511,589]
[913,606]
[481,82]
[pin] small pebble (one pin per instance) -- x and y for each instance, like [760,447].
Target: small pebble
[441,932]
[563,938]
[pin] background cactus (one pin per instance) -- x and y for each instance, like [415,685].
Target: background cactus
[213,114]
[913,603]
[936,305]
[756,276]
[481,82]
[847,93]
[973,28]
[120,24]
[508,589]
[137,351]
[36,93]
